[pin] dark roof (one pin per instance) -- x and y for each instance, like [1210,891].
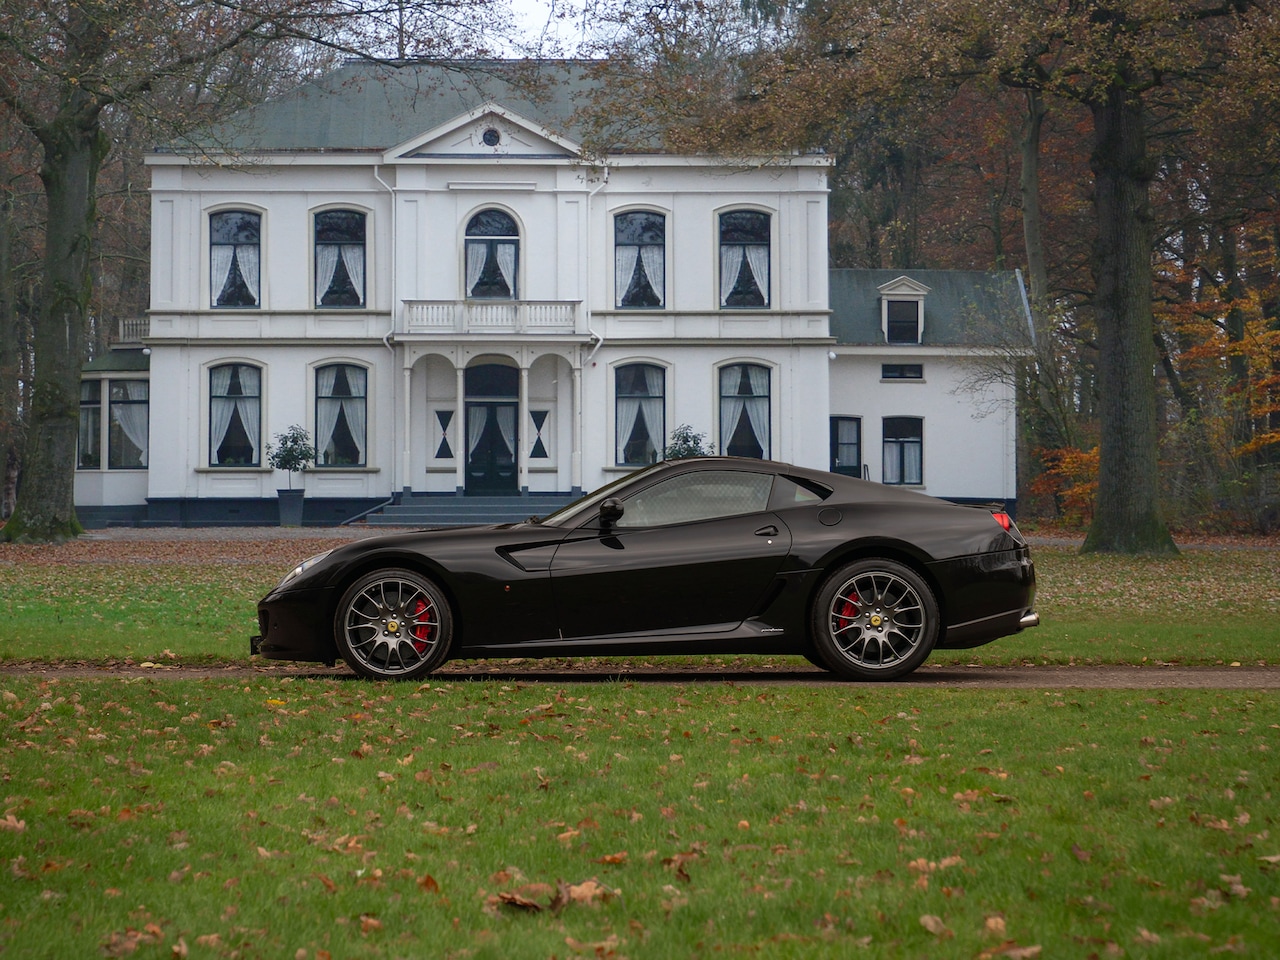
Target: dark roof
[370,107]
[118,361]
[970,308]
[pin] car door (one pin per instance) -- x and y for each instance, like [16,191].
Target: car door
[695,551]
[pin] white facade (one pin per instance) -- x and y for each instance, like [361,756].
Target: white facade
[491,347]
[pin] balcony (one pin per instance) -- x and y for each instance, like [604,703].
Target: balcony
[133,329]
[536,317]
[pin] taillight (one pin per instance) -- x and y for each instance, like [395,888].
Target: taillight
[1003,519]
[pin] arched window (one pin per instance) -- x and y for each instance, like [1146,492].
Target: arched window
[744,259]
[235,244]
[341,403]
[340,259]
[744,410]
[492,256]
[235,411]
[640,413]
[639,259]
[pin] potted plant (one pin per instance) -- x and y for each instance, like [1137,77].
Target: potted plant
[292,453]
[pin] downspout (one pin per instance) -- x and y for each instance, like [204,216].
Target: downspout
[576,466]
[399,469]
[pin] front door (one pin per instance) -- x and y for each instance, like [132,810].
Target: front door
[491,448]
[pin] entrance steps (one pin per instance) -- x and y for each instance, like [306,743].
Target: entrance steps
[417,510]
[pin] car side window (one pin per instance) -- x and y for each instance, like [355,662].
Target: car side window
[691,497]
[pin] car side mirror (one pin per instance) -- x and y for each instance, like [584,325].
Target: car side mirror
[610,511]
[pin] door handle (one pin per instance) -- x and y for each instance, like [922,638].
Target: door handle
[767,531]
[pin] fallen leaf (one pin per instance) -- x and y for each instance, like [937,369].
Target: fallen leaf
[427,884]
[613,858]
[10,822]
[935,926]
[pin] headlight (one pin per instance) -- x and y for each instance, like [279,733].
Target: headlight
[297,571]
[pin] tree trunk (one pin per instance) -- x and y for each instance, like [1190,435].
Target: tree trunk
[1127,515]
[9,346]
[74,148]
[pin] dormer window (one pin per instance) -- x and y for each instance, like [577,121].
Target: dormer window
[902,310]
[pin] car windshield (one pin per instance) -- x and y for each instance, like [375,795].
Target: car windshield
[583,507]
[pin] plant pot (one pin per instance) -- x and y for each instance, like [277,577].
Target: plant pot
[290,507]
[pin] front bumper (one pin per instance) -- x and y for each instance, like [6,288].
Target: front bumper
[297,625]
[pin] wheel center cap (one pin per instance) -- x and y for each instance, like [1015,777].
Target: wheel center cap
[876,619]
[393,626]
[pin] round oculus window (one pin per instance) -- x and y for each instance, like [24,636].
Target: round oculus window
[491,137]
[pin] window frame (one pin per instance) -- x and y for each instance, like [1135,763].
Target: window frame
[900,445]
[628,521]
[728,289]
[621,289]
[902,371]
[317,397]
[216,290]
[490,242]
[211,449]
[115,427]
[899,324]
[620,443]
[726,436]
[93,432]
[317,243]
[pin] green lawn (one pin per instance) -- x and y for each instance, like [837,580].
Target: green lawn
[313,818]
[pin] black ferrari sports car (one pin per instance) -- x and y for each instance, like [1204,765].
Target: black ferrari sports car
[711,555]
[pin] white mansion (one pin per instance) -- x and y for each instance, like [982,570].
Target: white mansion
[418,265]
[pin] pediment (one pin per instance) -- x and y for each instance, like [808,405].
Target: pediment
[903,287]
[488,131]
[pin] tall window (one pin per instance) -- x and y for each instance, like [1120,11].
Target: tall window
[340,258]
[127,435]
[340,415]
[89,454]
[903,450]
[846,446]
[902,319]
[639,259]
[744,259]
[640,409]
[744,410]
[234,258]
[493,249]
[235,410]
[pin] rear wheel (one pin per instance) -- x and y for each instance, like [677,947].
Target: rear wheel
[874,620]
[393,625]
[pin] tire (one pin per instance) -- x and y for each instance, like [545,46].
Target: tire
[393,625]
[874,620]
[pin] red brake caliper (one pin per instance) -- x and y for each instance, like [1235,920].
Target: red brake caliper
[848,611]
[421,632]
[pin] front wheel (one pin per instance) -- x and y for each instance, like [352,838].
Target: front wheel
[874,620]
[393,625]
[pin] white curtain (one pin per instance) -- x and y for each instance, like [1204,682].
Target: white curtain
[628,409]
[220,409]
[730,263]
[758,405]
[507,426]
[326,266]
[624,265]
[354,407]
[653,407]
[250,383]
[758,260]
[477,417]
[892,461]
[89,425]
[653,257]
[476,254]
[731,405]
[912,466]
[327,408]
[247,257]
[353,260]
[134,418]
[507,265]
[221,256]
